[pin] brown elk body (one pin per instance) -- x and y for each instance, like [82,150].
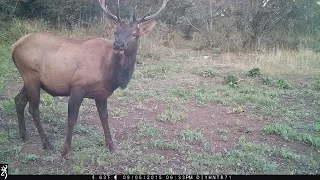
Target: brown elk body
[80,69]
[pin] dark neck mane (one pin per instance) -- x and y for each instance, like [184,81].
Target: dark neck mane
[121,74]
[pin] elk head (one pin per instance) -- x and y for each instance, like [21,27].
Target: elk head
[127,33]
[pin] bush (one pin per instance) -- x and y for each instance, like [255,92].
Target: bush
[18,28]
[283,84]
[254,72]
[231,80]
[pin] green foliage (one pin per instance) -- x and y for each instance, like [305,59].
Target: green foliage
[154,158]
[288,132]
[317,127]
[254,72]
[223,131]
[192,136]
[172,116]
[185,94]
[78,169]
[231,80]
[8,105]
[18,28]
[47,99]
[266,80]
[30,158]
[224,138]
[206,94]
[283,84]
[316,85]
[2,88]
[144,129]
[135,170]
[204,72]
[7,69]
[165,145]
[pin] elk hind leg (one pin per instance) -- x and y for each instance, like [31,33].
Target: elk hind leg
[33,90]
[21,101]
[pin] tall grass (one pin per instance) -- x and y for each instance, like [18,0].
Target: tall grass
[304,62]
[18,28]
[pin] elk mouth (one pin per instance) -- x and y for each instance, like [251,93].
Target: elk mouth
[118,51]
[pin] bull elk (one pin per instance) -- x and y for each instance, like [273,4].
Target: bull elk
[92,68]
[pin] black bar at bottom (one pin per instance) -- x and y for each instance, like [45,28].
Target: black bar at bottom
[159,177]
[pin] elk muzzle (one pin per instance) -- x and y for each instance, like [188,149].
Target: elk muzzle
[118,47]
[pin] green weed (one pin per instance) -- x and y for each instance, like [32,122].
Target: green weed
[231,81]
[266,80]
[204,72]
[144,129]
[254,72]
[9,105]
[192,136]
[316,85]
[224,138]
[185,94]
[165,145]
[47,99]
[155,158]
[135,170]
[283,84]
[223,131]
[206,94]
[171,116]
[78,169]
[29,158]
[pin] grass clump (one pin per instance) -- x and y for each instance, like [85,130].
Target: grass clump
[204,72]
[206,94]
[171,116]
[266,80]
[254,72]
[135,170]
[283,84]
[165,145]
[144,129]
[232,81]
[184,94]
[316,85]
[288,132]
[192,136]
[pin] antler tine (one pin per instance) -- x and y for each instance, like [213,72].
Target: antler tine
[148,18]
[108,13]
[118,12]
[134,18]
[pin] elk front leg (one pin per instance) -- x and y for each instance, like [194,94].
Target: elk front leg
[103,114]
[74,103]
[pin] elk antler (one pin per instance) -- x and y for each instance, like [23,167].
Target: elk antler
[108,13]
[148,18]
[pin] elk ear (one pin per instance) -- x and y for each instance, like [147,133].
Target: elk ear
[146,27]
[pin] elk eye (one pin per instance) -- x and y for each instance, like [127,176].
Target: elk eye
[134,34]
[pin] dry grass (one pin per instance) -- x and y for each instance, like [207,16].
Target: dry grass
[305,62]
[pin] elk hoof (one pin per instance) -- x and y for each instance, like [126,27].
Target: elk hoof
[66,156]
[112,149]
[24,137]
[47,146]
[66,153]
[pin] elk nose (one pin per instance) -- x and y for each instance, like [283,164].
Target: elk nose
[118,45]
